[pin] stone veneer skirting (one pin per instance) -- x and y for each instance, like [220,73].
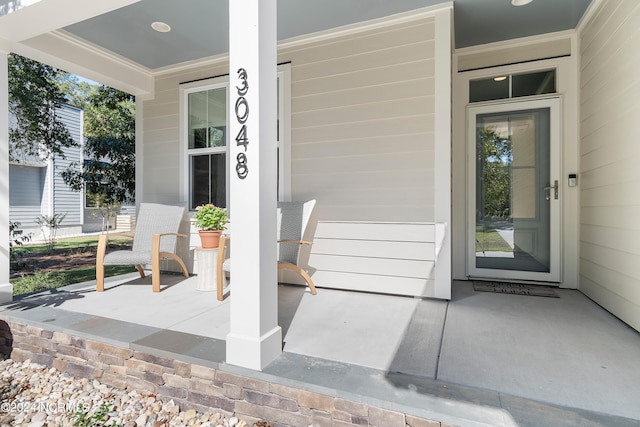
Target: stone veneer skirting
[191,385]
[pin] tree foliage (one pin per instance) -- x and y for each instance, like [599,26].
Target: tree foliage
[34,97]
[77,92]
[108,172]
[494,159]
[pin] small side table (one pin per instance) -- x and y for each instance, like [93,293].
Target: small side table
[207,265]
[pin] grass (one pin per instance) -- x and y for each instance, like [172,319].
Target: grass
[489,240]
[71,243]
[46,280]
[71,261]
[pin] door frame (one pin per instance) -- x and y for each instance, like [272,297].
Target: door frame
[554,103]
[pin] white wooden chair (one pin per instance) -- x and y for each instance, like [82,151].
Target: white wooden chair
[293,219]
[155,238]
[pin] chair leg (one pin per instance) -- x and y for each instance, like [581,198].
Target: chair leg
[302,273]
[140,270]
[221,281]
[102,248]
[99,276]
[177,259]
[155,263]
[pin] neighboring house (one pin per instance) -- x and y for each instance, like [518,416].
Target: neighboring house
[96,219]
[36,187]
[379,111]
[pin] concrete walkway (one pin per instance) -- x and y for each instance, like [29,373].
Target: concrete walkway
[481,359]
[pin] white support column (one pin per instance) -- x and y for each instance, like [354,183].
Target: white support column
[6,288]
[255,339]
[139,173]
[442,188]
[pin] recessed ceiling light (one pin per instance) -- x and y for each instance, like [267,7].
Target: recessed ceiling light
[500,78]
[161,27]
[520,2]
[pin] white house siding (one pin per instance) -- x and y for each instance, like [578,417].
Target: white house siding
[610,155]
[363,124]
[362,132]
[363,139]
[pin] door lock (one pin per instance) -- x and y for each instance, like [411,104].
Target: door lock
[555,190]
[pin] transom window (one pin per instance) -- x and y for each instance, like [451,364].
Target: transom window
[506,86]
[206,140]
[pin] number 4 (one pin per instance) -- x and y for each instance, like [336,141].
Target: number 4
[241,138]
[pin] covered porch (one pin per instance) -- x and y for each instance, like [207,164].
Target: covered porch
[371,113]
[480,359]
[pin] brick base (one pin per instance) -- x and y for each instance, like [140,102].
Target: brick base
[192,386]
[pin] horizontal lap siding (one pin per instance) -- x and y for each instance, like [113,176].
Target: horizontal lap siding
[162,148]
[362,129]
[26,184]
[65,200]
[363,123]
[610,155]
[395,258]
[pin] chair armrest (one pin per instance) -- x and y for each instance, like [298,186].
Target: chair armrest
[302,242]
[155,243]
[170,234]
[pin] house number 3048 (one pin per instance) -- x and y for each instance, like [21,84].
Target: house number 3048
[242,114]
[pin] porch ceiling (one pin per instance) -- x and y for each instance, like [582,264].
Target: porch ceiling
[79,37]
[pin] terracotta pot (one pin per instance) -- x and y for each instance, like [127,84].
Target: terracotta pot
[210,239]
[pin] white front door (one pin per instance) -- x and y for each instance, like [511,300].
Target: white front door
[514,191]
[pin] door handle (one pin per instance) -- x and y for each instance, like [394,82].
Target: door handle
[555,190]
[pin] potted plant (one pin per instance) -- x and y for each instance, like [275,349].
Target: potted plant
[210,221]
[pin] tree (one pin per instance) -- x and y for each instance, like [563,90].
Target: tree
[34,97]
[108,171]
[76,92]
[494,159]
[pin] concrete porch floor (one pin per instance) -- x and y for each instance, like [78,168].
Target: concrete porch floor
[480,359]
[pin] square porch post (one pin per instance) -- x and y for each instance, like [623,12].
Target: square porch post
[6,288]
[254,339]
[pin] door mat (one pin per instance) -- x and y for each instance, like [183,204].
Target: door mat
[515,288]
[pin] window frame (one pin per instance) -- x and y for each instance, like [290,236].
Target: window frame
[508,79]
[284,133]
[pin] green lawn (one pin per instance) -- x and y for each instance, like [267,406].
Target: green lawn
[72,243]
[488,240]
[72,260]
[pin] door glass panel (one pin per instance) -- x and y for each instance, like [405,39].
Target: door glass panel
[512,203]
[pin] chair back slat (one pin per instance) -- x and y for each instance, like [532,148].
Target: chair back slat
[153,219]
[293,218]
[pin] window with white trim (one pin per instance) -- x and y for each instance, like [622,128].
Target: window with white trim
[204,123]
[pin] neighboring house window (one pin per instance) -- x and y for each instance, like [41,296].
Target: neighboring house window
[91,200]
[206,140]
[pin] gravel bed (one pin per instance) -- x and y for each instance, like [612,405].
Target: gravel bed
[37,396]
